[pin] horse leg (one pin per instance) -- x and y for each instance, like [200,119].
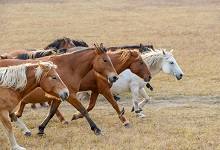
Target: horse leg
[108,95]
[73,100]
[33,106]
[4,117]
[43,104]
[19,112]
[59,115]
[134,91]
[18,121]
[145,96]
[52,111]
[91,105]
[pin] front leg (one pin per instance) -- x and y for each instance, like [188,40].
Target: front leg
[92,102]
[108,95]
[55,104]
[19,112]
[74,101]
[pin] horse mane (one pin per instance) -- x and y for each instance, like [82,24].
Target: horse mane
[14,77]
[125,54]
[153,57]
[35,54]
[54,44]
[80,43]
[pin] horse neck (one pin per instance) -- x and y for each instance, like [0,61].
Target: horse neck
[155,68]
[31,81]
[119,66]
[81,61]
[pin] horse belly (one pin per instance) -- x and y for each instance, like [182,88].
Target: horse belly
[36,96]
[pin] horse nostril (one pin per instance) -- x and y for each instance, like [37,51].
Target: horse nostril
[181,75]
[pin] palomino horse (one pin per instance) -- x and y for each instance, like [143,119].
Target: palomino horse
[72,68]
[156,61]
[18,81]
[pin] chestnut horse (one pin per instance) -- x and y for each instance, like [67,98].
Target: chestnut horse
[18,81]
[121,59]
[72,68]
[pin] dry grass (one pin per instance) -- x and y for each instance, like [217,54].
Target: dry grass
[188,118]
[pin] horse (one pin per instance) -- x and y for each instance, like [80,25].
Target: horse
[72,68]
[142,48]
[18,81]
[156,61]
[61,43]
[121,59]
[57,44]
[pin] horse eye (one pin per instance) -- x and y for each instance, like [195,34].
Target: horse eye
[54,78]
[171,63]
[142,62]
[104,60]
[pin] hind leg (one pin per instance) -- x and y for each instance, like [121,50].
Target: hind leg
[145,96]
[4,117]
[20,124]
[137,110]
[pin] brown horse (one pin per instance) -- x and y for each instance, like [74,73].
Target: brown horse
[72,67]
[121,59]
[18,81]
[57,44]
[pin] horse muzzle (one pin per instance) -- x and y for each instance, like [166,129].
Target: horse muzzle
[112,79]
[179,76]
[147,79]
[64,96]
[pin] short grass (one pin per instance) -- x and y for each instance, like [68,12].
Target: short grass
[181,115]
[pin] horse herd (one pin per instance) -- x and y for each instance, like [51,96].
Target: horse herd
[66,67]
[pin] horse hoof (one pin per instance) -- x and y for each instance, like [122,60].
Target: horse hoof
[65,122]
[140,115]
[98,132]
[127,124]
[75,117]
[41,134]
[27,134]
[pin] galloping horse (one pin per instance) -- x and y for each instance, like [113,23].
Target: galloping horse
[156,60]
[72,68]
[18,81]
[121,59]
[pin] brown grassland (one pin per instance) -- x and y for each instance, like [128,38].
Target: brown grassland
[181,114]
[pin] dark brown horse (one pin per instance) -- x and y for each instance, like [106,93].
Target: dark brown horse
[122,59]
[72,67]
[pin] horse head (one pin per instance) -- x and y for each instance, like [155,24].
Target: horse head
[103,64]
[170,66]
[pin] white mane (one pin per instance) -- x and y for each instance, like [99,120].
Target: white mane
[154,58]
[14,77]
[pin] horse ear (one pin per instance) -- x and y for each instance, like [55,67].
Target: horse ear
[164,52]
[65,39]
[45,68]
[103,49]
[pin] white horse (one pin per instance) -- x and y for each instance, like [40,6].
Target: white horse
[156,60]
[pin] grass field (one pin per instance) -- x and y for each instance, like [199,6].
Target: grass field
[181,114]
